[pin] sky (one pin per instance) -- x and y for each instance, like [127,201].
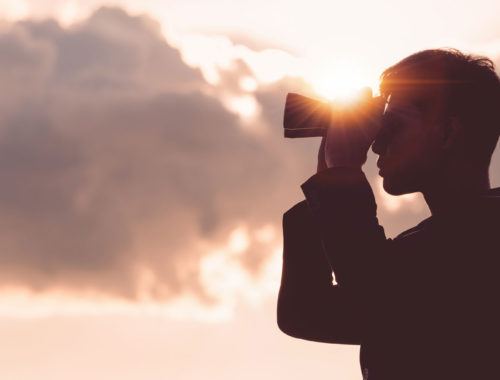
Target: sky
[144,175]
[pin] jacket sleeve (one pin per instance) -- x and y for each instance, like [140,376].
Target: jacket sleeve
[336,229]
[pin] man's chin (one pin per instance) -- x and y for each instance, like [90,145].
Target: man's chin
[393,187]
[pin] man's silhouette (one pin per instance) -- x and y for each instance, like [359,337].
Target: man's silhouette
[425,304]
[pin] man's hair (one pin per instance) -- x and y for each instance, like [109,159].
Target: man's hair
[449,83]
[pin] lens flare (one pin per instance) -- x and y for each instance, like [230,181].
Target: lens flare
[341,81]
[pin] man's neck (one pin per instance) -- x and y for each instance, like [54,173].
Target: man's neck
[446,193]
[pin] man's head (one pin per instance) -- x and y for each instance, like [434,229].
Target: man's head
[443,110]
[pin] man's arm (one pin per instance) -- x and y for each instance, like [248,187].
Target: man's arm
[309,306]
[344,209]
[336,229]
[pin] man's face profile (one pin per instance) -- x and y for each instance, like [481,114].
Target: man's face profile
[407,145]
[441,123]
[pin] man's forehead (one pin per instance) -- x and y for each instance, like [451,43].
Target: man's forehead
[399,102]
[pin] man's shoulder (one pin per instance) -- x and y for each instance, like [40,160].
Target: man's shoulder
[484,209]
[414,230]
[491,198]
[299,208]
[476,213]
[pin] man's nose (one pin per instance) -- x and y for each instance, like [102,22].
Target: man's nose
[380,143]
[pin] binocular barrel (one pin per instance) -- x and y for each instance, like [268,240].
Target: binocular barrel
[308,117]
[305,117]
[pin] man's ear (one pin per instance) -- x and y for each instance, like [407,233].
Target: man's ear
[452,133]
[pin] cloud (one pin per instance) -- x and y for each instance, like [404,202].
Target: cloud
[126,174]
[119,172]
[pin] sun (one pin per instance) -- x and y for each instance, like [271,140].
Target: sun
[340,81]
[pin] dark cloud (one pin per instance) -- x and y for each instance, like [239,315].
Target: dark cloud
[114,163]
[112,50]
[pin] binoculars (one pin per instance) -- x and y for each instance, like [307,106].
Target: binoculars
[308,117]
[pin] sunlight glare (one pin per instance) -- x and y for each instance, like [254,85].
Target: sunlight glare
[340,81]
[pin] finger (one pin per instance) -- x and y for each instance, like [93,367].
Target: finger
[321,155]
[323,143]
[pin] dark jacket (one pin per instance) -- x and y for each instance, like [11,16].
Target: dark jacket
[422,306]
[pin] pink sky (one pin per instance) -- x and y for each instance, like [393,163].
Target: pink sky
[145,175]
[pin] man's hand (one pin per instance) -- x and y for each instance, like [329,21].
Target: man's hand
[321,156]
[352,131]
